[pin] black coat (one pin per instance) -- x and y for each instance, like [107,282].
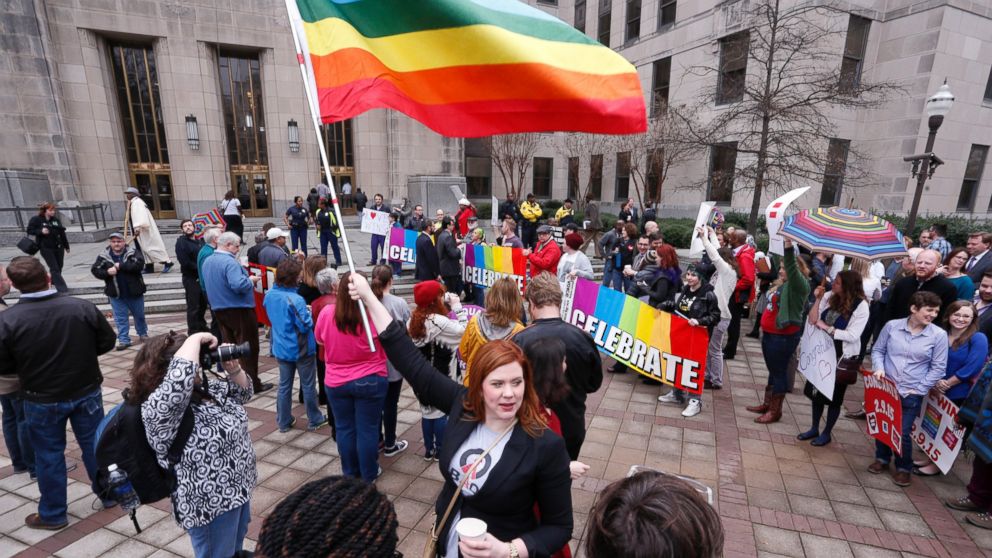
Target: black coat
[511,210]
[52,343]
[705,309]
[55,239]
[903,289]
[531,469]
[427,267]
[130,272]
[448,255]
[584,376]
[663,290]
[981,266]
[186,251]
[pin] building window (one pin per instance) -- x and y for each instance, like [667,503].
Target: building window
[633,29]
[573,178]
[580,15]
[139,103]
[605,19]
[478,168]
[339,143]
[723,160]
[833,173]
[661,76]
[622,189]
[733,68]
[854,52]
[666,13]
[972,177]
[596,176]
[244,124]
[542,176]
[548,2]
[655,159]
[988,89]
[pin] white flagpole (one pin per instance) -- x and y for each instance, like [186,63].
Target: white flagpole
[309,87]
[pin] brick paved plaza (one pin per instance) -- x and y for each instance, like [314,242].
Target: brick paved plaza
[777,496]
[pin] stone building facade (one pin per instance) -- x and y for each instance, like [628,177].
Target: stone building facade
[188,99]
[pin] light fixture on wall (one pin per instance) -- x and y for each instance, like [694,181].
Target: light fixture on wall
[192,133]
[294,136]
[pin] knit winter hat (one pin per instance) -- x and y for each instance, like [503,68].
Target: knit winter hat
[426,292]
[573,240]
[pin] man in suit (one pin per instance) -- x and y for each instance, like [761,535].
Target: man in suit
[983,303]
[979,255]
[427,267]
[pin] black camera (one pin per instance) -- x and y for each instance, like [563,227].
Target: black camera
[223,353]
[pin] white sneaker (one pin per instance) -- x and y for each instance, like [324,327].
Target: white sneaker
[693,408]
[669,397]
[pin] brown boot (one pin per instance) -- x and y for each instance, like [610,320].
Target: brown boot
[763,406]
[774,409]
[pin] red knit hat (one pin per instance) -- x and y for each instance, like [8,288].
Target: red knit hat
[426,292]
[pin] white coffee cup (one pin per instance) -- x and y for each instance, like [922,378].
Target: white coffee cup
[470,528]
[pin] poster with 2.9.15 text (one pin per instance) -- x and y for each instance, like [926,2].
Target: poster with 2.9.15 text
[935,432]
[883,410]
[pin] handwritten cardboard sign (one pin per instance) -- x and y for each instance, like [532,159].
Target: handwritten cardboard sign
[818,360]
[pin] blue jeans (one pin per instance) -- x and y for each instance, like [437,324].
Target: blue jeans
[306,367]
[224,536]
[911,405]
[298,235]
[357,409]
[15,433]
[327,237]
[607,275]
[777,350]
[378,248]
[122,306]
[390,409]
[46,427]
[433,430]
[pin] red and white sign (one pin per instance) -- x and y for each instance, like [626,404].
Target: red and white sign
[936,433]
[883,408]
[375,222]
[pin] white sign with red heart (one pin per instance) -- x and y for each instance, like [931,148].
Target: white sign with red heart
[375,222]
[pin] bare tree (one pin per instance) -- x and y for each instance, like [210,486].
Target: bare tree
[667,142]
[513,155]
[584,147]
[781,114]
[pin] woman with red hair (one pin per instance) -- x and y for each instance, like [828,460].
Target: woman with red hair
[49,233]
[497,453]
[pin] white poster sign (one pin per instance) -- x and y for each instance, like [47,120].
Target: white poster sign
[375,222]
[817,359]
[775,214]
[495,218]
[703,217]
[936,434]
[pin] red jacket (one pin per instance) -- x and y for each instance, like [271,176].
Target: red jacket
[745,281]
[545,258]
[462,218]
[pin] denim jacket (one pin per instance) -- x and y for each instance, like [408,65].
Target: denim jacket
[292,324]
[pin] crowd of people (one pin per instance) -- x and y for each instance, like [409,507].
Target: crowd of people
[502,394]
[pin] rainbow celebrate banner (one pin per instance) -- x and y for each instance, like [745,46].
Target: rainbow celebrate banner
[402,245]
[485,264]
[657,344]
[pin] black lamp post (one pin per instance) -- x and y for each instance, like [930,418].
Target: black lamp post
[924,164]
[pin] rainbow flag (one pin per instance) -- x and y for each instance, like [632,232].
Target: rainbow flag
[464,68]
[485,264]
[657,344]
[402,245]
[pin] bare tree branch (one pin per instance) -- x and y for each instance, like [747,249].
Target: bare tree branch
[513,155]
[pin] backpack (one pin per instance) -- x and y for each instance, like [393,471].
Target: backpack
[121,439]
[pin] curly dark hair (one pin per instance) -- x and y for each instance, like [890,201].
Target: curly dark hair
[334,516]
[151,365]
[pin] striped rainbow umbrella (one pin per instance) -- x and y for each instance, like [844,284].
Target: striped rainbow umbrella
[850,232]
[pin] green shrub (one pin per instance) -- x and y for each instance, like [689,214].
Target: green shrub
[484,210]
[958,228]
[678,235]
[550,207]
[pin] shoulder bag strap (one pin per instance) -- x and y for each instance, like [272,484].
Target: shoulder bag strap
[468,475]
[182,436]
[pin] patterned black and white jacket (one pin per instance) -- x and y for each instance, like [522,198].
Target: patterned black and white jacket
[216,472]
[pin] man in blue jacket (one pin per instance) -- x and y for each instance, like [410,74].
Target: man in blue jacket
[293,345]
[229,290]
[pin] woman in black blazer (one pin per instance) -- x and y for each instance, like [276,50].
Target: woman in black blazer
[529,466]
[52,241]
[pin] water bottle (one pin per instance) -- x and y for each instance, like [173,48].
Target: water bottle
[123,491]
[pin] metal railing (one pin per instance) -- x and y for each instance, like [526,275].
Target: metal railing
[78,214]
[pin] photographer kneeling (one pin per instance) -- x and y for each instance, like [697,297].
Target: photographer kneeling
[216,473]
